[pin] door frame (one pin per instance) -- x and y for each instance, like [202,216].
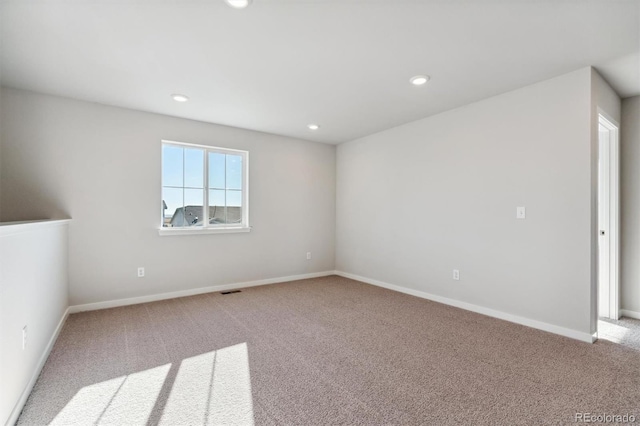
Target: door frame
[613,188]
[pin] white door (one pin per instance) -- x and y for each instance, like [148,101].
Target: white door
[604,241]
[608,218]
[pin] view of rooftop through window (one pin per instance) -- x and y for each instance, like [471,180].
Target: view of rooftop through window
[193,177]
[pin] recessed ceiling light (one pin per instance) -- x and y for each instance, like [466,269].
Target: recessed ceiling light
[313,126]
[419,80]
[180,98]
[238,4]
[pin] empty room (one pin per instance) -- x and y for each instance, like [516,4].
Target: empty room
[319,212]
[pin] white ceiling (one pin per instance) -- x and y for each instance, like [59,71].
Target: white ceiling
[281,64]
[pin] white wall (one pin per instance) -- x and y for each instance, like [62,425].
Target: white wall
[101,166]
[33,292]
[419,200]
[630,214]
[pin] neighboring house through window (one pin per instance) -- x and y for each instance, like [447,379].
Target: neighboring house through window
[204,189]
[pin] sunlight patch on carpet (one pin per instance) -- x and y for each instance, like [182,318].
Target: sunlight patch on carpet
[212,388]
[611,332]
[123,400]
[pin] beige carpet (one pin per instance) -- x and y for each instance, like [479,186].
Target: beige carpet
[322,351]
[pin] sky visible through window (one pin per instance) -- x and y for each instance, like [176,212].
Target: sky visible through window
[183,178]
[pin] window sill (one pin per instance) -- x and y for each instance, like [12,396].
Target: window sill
[202,231]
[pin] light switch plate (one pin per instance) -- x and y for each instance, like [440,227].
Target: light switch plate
[521,212]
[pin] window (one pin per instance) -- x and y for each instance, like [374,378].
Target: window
[204,189]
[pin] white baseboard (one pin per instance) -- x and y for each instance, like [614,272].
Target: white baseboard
[17,409]
[578,335]
[629,314]
[192,292]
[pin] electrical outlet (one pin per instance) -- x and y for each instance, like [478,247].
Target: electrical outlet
[24,337]
[308,255]
[140,272]
[456,274]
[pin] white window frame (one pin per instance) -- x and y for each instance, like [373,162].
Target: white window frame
[207,228]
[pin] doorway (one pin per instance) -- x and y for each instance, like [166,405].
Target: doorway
[608,218]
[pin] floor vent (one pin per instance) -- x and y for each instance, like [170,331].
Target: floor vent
[230,291]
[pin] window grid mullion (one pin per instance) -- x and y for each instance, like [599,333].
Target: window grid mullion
[205,183]
[182,187]
[184,208]
[225,190]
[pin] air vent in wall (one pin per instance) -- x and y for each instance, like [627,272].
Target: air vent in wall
[230,291]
